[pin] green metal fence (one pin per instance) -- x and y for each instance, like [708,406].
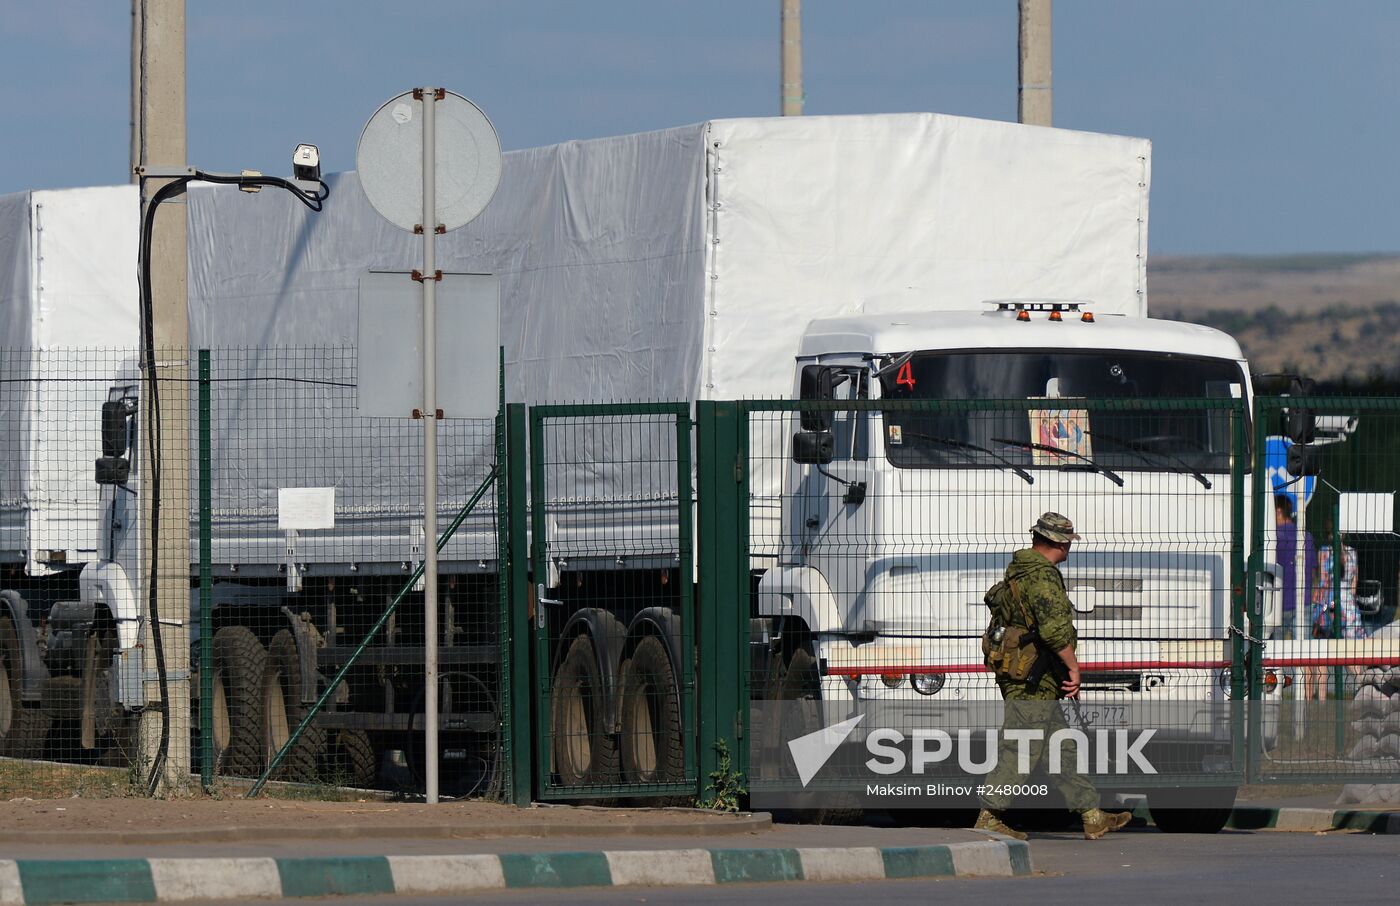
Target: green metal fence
[311,633]
[869,569]
[1324,624]
[627,582]
[613,602]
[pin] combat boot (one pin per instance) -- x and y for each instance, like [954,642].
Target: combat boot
[990,820]
[1098,822]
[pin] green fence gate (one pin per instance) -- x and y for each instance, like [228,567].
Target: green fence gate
[612,600]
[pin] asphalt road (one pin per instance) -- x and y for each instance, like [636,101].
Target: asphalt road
[1138,866]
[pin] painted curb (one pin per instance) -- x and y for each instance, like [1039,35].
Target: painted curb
[1303,820]
[32,882]
[1315,819]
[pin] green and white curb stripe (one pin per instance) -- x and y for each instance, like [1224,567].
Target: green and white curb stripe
[1313,820]
[1302,820]
[29,882]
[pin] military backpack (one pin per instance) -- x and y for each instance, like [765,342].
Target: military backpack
[1009,651]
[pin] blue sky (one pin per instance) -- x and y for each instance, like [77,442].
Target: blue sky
[1274,125]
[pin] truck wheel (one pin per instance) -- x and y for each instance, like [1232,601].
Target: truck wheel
[652,748]
[239,663]
[1193,811]
[584,752]
[22,730]
[283,711]
[801,683]
[348,760]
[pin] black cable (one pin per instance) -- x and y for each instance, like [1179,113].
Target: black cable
[153,441]
[314,201]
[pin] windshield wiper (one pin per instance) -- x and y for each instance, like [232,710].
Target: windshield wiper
[1061,451]
[1137,449]
[963,446]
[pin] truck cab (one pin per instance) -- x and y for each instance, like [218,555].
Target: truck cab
[897,519]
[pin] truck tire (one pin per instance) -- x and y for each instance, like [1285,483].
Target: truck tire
[801,683]
[585,753]
[239,663]
[1204,811]
[653,750]
[283,711]
[23,731]
[348,760]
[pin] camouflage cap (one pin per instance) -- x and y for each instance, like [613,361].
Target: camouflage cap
[1054,527]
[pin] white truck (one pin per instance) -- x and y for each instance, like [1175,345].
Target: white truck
[704,263]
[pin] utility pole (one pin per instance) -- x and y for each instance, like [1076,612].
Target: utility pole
[790,92]
[1033,96]
[158,140]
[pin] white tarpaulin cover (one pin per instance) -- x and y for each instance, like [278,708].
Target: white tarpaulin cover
[678,264]
[685,263]
[67,287]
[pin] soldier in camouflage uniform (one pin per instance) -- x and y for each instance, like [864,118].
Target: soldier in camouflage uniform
[1038,592]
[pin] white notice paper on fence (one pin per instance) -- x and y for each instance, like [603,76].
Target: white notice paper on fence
[305,508]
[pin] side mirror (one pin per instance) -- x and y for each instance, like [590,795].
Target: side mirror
[113,470]
[1301,424]
[813,448]
[114,416]
[818,383]
[1303,460]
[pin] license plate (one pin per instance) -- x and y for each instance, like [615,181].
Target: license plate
[1095,716]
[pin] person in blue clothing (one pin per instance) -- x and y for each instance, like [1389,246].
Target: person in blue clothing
[1286,550]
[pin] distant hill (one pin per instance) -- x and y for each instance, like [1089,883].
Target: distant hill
[1332,317]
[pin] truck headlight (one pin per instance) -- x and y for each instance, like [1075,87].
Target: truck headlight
[892,680]
[927,683]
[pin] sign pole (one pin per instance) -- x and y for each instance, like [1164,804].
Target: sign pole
[430,556]
[470,158]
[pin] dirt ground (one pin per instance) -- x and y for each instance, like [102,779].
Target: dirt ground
[182,820]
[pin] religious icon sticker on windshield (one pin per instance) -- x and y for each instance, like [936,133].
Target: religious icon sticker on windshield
[1065,429]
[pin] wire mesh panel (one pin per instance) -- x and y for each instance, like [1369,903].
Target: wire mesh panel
[316,550]
[894,547]
[68,505]
[613,604]
[1325,567]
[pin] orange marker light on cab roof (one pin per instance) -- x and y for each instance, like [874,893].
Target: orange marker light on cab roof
[1087,317]
[1023,315]
[1056,316]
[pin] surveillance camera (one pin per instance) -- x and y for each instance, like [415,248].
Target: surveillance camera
[306,163]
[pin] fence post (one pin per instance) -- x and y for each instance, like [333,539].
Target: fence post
[206,581]
[516,577]
[1250,685]
[722,483]
[1243,612]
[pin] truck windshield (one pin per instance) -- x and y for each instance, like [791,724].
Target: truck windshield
[1061,385]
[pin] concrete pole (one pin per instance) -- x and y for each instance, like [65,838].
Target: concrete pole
[158,139]
[791,96]
[1033,96]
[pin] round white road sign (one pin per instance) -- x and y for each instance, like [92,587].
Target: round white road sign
[390,160]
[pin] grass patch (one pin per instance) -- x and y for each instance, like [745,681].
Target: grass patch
[52,780]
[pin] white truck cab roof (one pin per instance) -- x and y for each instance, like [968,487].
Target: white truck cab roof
[950,330]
